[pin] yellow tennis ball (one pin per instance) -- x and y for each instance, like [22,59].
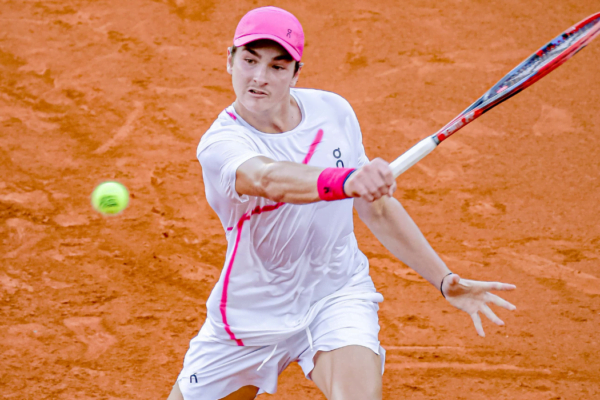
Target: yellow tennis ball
[110,197]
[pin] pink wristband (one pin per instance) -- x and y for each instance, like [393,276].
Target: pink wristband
[331,183]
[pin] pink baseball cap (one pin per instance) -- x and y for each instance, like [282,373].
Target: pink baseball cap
[274,24]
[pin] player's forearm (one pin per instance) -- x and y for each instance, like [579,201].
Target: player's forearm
[394,228]
[289,182]
[284,181]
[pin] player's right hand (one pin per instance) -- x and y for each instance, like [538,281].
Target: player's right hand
[371,182]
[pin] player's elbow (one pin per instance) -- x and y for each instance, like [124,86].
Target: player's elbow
[368,211]
[269,184]
[378,210]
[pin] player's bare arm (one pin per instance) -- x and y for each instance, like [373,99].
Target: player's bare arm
[394,228]
[295,183]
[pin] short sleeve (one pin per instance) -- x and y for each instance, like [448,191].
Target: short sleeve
[221,156]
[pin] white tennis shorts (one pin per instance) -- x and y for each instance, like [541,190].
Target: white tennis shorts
[213,370]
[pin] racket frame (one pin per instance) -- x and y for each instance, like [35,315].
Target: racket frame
[479,107]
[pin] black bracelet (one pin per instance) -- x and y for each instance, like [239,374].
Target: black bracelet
[441,284]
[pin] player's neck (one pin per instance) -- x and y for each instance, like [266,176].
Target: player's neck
[279,119]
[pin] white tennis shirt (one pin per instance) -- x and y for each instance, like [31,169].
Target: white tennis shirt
[284,261]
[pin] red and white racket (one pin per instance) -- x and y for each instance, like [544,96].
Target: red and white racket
[534,68]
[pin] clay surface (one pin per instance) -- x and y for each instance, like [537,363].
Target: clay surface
[93,307]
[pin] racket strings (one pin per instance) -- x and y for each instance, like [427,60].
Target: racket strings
[546,54]
[535,67]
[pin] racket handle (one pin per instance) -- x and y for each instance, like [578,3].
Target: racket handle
[412,156]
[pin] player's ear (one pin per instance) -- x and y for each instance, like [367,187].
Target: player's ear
[296,75]
[229,61]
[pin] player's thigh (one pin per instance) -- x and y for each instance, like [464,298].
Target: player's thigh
[348,373]
[245,393]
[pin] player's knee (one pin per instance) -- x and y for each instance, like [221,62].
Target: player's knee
[372,390]
[365,391]
[368,388]
[377,392]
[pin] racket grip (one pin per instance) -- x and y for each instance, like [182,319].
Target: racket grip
[412,156]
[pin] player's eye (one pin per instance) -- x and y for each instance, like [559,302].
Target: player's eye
[250,61]
[278,67]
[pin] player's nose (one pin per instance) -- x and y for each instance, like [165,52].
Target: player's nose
[260,74]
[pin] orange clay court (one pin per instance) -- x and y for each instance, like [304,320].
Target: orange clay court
[93,307]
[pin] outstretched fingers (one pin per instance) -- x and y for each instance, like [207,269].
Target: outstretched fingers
[477,322]
[487,286]
[491,316]
[499,301]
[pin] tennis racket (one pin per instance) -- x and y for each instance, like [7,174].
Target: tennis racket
[534,68]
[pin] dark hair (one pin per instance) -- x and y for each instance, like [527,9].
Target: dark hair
[234,49]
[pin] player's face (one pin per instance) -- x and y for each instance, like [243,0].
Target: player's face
[262,75]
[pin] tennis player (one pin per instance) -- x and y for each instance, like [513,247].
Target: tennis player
[283,169]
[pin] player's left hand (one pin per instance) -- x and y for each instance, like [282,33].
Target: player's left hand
[473,296]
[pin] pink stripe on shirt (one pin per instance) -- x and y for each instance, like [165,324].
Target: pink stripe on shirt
[240,224]
[313,146]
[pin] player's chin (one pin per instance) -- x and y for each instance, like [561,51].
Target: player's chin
[256,104]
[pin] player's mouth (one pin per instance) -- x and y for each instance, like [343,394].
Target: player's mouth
[257,93]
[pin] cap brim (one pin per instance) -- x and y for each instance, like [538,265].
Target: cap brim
[251,38]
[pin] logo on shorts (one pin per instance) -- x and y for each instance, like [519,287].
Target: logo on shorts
[289,33]
[195,378]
